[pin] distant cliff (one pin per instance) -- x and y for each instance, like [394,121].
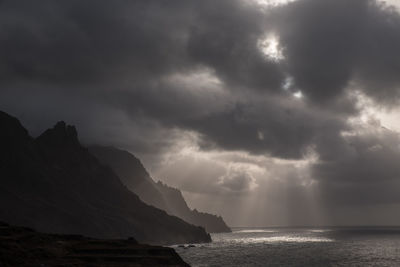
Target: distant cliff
[53,184]
[137,179]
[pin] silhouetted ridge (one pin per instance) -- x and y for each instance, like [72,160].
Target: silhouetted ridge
[136,178]
[53,184]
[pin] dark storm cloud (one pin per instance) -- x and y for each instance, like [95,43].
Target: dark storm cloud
[73,42]
[279,128]
[97,41]
[328,44]
[120,54]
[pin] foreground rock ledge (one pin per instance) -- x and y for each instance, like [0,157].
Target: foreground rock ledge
[21,246]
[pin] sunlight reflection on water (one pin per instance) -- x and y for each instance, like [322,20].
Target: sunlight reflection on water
[280,239]
[255,231]
[320,231]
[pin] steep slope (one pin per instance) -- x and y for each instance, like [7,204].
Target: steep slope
[127,166]
[137,179]
[53,184]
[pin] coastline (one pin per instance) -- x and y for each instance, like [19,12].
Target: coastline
[21,246]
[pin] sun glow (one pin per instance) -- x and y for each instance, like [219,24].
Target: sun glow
[270,47]
[298,94]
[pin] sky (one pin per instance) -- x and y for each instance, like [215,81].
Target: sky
[269,113]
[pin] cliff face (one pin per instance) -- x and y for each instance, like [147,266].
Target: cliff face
[137,179]
[53,184]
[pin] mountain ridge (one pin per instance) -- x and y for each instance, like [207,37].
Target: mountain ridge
[53,184]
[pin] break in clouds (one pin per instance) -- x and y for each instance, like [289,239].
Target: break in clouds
[266,114]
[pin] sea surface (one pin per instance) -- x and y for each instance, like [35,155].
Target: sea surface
[339,246]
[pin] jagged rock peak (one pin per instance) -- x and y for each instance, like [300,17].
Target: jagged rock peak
[60,134]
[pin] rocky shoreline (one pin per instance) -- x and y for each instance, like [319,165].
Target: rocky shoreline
[21,246]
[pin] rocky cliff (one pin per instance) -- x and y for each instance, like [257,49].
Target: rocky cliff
[53,184]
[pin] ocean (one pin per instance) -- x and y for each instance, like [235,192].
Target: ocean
[338,246]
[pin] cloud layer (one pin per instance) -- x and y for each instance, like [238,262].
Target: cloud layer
[159,77]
